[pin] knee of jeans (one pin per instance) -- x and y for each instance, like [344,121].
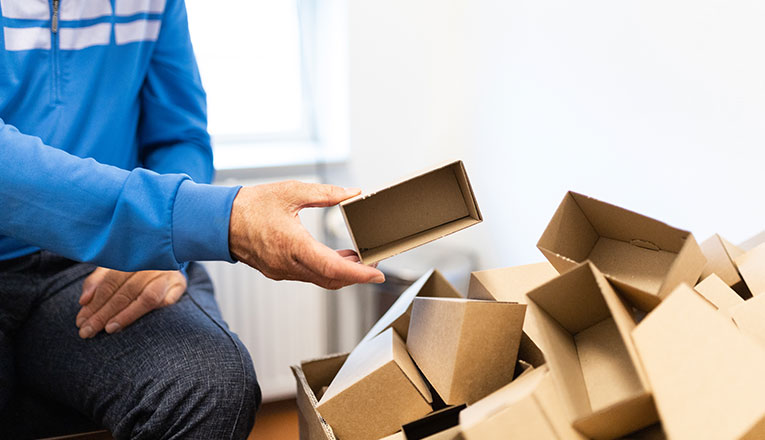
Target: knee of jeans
[208,391]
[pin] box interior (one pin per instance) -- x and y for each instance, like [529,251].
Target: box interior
[589,357]
[628,247]
[420,209]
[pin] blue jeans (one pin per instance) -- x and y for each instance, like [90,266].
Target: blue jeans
[176,373]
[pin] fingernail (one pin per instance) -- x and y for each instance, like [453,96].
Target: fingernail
[379,279]
[79,322]
[353,190]
[86,332]
[112,327]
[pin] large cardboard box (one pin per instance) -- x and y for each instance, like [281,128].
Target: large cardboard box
[645,258]
[586,329]
[527,408]
[465,348]
[707,376]
[720,255]
[751,266]
[512,284]
[717,292]
[411,213]
[377,390]
[312,377]
[430,285]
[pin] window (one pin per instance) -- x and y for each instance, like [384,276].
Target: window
[256,61]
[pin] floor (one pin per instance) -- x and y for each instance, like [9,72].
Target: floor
[276,421]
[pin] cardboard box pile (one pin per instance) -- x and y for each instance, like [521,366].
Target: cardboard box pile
[630,330]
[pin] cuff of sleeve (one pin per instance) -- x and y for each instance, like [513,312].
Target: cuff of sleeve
[201,215]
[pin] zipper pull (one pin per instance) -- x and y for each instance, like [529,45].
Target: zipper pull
[54,20]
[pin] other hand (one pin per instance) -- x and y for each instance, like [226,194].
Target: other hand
[112,300]
[265,232]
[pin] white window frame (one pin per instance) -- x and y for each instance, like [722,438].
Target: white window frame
[325,136]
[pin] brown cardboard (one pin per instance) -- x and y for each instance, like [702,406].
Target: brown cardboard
[706,375]
[449,434]
[512,284]
[411,212]
[751,266]
[749,317]
[377,390]
[311,376]
[645,258]
[465,348]
[431,284]
[527,408]
[720,254]
[586,330]
[752,242]
[717,292]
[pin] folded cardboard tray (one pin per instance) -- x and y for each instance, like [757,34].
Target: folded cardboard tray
[411,212]
[645,258]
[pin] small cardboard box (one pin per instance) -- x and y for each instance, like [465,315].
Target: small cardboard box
[465,348]
[527,408]
[512,284]
[376,391]
[720,255]
[430,285]
[645,258]
[749,317]
[586,327]
[707,377]
[717,292]
[751,266]
[411,213]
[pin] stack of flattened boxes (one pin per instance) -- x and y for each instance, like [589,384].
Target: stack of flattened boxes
[630,330]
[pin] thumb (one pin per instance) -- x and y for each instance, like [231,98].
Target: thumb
[315,195]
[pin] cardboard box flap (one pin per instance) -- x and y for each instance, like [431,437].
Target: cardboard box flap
[706,376]
[749,317]
[431,284]
[717,292]
[510,283]
[720,254]
[688,264]
[569,235]
[319,372]
[411,212]
[372,355]
[752,242]
[495,402]
[751,266]
[631,415]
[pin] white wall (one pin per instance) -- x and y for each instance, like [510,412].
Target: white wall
[655,106]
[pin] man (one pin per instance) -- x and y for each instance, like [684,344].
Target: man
[90,89]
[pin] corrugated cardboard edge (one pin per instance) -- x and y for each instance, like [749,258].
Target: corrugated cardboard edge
[412,176]
[312,424]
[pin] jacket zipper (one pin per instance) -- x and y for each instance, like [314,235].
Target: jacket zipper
[54,51]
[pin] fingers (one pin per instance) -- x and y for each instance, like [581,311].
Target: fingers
[98,288]
[94,317]
[330,265]
[158,293]
[314,195]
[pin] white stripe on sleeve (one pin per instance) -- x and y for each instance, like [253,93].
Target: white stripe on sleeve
[27,38]
[139,30]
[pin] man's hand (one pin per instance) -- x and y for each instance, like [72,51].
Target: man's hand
[265,232]
[113,300]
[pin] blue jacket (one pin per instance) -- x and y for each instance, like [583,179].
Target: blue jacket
[101,109]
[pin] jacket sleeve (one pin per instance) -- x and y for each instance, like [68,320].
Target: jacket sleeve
[87,211]
[172,129]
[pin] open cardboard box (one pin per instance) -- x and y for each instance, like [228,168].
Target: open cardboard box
[751,266]
[512,284]
[376,391]
[527,408]
[465,348]
[430,285]
[411,213]
[586,329]
[645,258]
[720,255]
[707,376]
